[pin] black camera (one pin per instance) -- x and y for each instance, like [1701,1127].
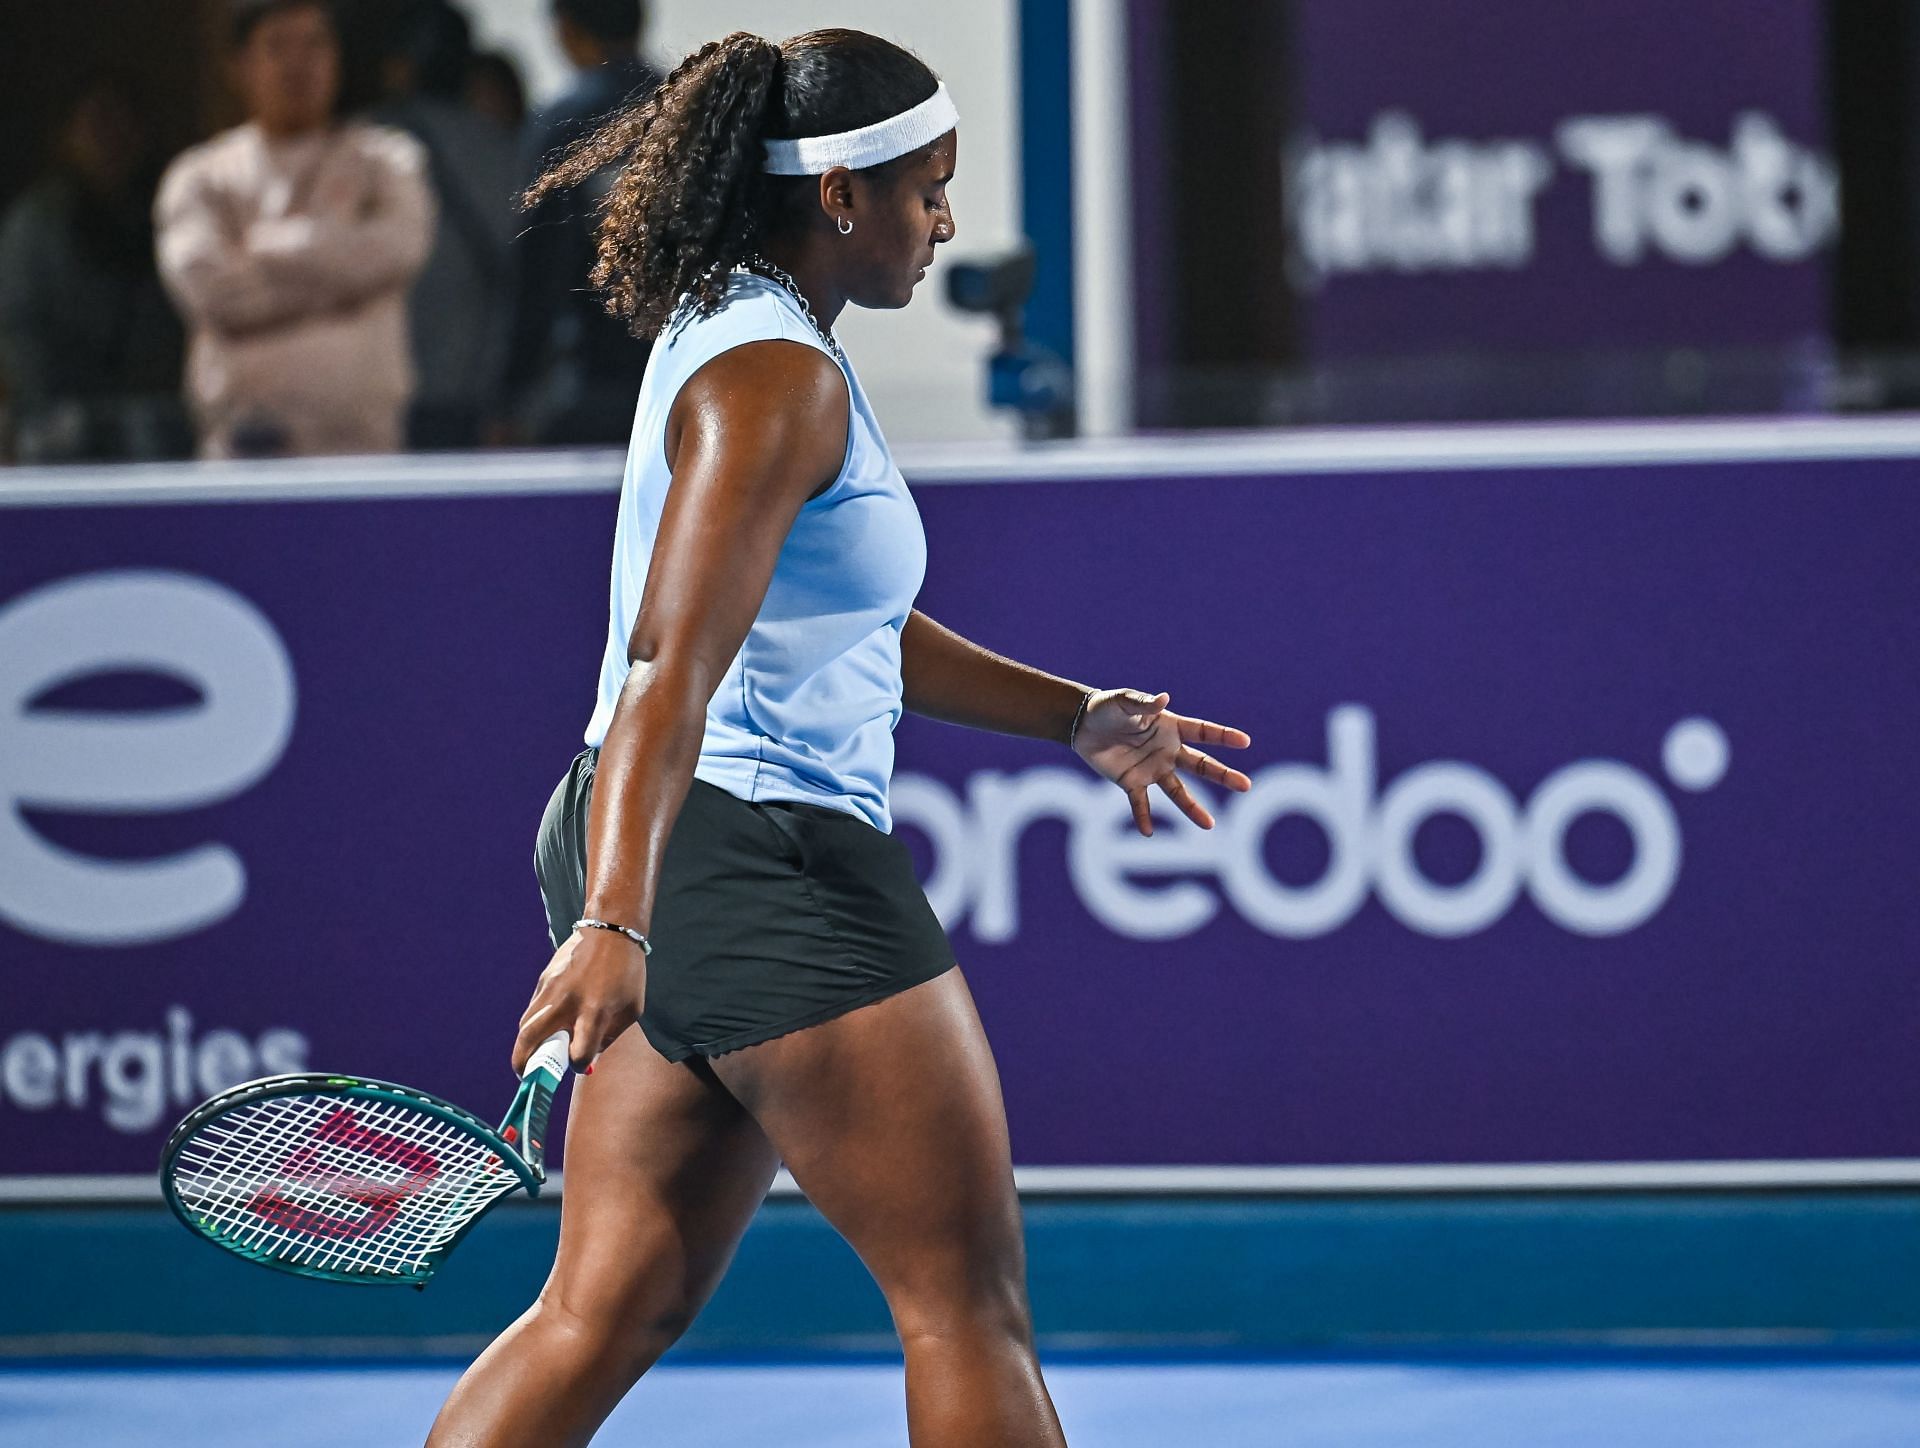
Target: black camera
[1000,287]
[1029,378]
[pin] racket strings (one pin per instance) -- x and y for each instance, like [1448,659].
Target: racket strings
[348,1185]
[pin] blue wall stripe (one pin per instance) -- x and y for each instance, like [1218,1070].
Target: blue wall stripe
[1206,1278]
[1046,167]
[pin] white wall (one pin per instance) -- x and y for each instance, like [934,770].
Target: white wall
[925,366]
[522,30]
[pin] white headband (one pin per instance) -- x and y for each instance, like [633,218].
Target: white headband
[868,146]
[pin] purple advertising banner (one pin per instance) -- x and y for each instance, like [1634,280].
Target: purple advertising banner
[1370,210]
[1585,823]
[1523,176]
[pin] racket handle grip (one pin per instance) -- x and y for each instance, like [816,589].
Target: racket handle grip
[550,1056]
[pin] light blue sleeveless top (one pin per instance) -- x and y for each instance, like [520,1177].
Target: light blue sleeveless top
[808,706]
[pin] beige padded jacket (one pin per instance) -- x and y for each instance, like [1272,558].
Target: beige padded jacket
[290,261]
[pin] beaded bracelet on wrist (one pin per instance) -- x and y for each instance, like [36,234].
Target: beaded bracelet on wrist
[634,935]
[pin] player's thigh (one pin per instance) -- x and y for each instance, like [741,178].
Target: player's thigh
[891,1120]
[664,1170]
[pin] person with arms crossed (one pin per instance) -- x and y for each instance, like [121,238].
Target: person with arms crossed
[717,864]
[288,244]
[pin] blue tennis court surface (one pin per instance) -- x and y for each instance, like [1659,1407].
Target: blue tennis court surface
[1300,1405]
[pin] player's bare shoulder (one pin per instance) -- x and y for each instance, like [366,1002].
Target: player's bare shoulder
[771,398]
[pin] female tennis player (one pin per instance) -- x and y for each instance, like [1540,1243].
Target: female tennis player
[717,865]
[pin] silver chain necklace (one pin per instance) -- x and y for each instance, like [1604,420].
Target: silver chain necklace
[786,280]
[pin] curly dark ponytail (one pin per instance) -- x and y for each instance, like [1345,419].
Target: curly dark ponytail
[689,199]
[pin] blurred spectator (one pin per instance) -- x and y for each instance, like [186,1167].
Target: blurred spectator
[574,371]
[288,244]
[494,89]
[88,345]
[461,301]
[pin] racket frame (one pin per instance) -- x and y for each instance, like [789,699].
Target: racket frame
[530,1173]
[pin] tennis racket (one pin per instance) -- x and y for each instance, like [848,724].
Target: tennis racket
[352,1180]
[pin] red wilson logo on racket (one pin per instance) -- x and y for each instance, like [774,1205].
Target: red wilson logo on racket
[308,1166]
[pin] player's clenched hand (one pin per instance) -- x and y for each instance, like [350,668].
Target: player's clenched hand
[1135,740]
[594,987]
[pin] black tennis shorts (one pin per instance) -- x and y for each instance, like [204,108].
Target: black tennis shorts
[769,916]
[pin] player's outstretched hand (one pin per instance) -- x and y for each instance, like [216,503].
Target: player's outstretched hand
[594,987]
[1135,740]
